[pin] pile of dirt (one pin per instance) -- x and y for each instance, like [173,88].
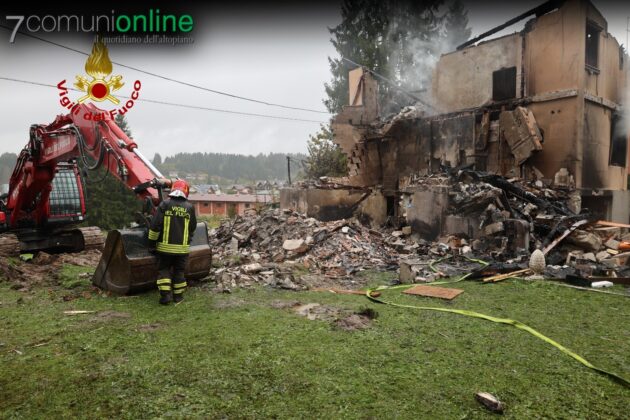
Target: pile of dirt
[43,269]
[340,318]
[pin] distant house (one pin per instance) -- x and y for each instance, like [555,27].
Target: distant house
[205,189]
[263,185]
[198,176]
[227,204]
[240,189]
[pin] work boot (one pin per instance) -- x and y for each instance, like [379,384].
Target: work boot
[178,291]
[166,297]
[166,293]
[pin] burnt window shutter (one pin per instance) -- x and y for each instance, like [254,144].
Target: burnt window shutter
[504,84]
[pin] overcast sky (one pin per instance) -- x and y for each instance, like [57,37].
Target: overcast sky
[280,57]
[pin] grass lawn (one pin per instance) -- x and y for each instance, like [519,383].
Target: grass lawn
[236,356]
[213,221]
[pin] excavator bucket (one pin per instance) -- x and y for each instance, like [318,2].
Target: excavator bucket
[126,265]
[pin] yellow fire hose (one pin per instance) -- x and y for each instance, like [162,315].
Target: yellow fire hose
[506,321]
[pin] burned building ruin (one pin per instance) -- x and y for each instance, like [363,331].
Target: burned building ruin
[543,104]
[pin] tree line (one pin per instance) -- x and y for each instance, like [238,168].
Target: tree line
[230,166]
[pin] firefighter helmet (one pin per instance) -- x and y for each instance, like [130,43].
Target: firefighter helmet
[179,189]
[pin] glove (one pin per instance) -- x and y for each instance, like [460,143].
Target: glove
[152,251]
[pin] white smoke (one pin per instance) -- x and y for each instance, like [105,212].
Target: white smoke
[413,60]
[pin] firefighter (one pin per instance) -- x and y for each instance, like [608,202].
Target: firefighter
[170,235]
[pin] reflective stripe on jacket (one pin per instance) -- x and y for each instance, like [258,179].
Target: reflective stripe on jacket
[173,226]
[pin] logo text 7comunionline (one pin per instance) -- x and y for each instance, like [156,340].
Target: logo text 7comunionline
[150,22]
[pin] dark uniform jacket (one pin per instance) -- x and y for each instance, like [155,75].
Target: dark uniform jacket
[173,226]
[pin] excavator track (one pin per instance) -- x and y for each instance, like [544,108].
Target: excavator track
[9,245]
[92,238]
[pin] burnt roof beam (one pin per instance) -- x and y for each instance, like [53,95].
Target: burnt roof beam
[538,11]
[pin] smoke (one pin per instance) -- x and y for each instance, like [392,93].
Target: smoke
[416,74]
[621,124]
[416,44]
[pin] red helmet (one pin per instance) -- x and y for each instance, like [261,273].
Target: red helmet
[179,189]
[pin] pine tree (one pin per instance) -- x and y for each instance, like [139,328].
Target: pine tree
[401,41]
[110,203]
[360,38]
[325,158]
[456,26]
[121,122]
[7,163]
[157,159]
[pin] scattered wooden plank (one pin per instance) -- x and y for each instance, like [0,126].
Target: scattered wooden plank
[346,292]
[506,276]
[588,289]
[434,291]
[612,224]
[78,312]
[566,233]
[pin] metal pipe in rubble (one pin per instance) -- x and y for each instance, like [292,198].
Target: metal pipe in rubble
[147,162]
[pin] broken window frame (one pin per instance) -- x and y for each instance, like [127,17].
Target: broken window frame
[591,49]
[618,141]
[504,84]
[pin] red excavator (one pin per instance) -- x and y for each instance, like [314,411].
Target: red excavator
[46,200]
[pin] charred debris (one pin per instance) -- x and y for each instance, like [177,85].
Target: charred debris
[499,221]
[522,155]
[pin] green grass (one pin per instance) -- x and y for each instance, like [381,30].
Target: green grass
[213,221]
[73,276]
[250,360]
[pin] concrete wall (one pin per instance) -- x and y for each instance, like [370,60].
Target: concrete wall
[322,204]
[561,149]
[572,104]
[596,172]
[577,135]
[554,50]
[328,204]
[424,209]
[463,79]
[374,209]
[620,208]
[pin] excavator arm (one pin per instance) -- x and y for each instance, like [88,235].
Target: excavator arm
[97,144]
[53,150]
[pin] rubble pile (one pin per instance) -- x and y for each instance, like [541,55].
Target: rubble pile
[514,217]
[511,218]
[270,247]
